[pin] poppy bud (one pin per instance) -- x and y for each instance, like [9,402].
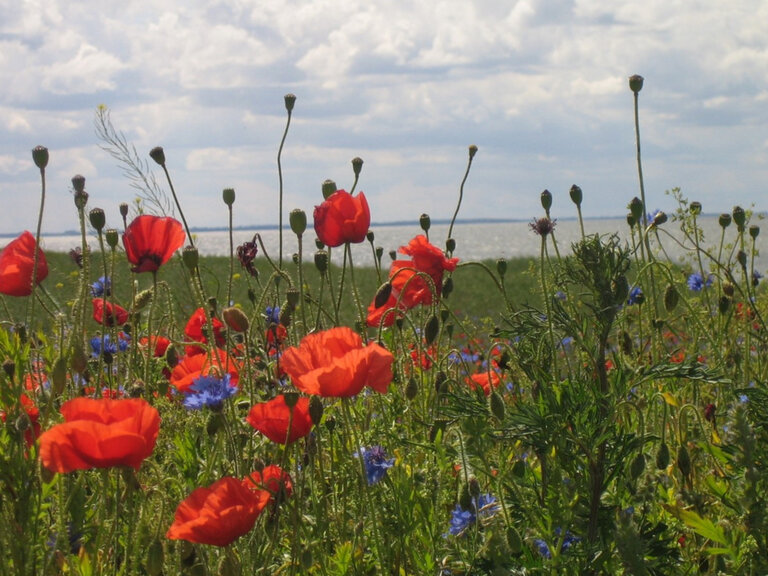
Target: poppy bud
[171,356]
[228,195]
[754,230]
[369,236]
[59,375]
[315,409]
[671,298]
[695,208]
[724,220]
[636,208]
[723,304]
[382,294]
[123,209]
[546,200]
[290,100]
[155,558]
[235,319]
[78,182]
[440,380]
[112,237]
[357,165]
[411,388]
[450,245]
[739,216]
[78,361]
[501,267]
[40,156]
[437,430]
[514,541]
[329,187]
[576,195]
[298,221]
[142,299]
[190,256]
[158,155]
[662,457]
[636,83]
[425,222]
[431,330]
[393,254]
[497,405]
[637,467]
[741,258]
[285,315]
[97,218]
[683,460]
[447,287]
[321,261]
[472,151]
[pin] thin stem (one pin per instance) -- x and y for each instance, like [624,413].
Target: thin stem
[472,151]
[280,181]
[35,263]
[178,205]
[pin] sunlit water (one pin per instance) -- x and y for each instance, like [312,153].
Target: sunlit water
[474,241]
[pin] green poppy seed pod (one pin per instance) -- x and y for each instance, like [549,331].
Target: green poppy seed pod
[514,541]
[501,267]
[40,156]
[112,237]
[739,216]
[637,467]
[754,231]
[158,155]
[724,220]
[155,558]
[741,257]
[695,208]
[190,256]
[382,294]
[235,319]
[97,218]
[671,298]
[684,460]
[576,195]
[636,208]
[291,399]
[78,361]
[78,182]
[290,101]
[321,261]
[370,236]
[472,151]
[660,218]
[298,221]
[425,222]
[81,199]
[546,200]
[123,209]
[723,304]
[319,244]
[431,329]
[316,409]
[228,195]
[662,457]
[447,287]
[636,83]
[142,299]
[293,295]
[497,405]
[357,165]
[329,187]
[411,388]
[631,221]
[450,245]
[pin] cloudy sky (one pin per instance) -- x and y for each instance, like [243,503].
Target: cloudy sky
[540,86]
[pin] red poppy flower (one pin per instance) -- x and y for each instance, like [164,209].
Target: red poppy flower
[194,331]
[192,367]
[485,381]
[150,241]
[342,218]
[108,314]
[334,363]
[16,262]
[273,417]
[100,434]
[219,514]
[273,479]
[429,259]
[160,345]
[32,430]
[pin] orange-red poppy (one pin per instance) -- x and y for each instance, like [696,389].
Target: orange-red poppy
[342,218]
[429,259]
[273,418]
[192,367]
[273,479]
[335,363]
[100,434]
[484,380]
[194,331]
[108,314]
[218,514]
[16,264]
[159,345]
[150,241]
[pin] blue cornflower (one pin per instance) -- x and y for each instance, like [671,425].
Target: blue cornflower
[209,391]
[273,314]
[102,287]
[756,276]
[483,506]
[560,295]
[697,283]
[636,296]
[109,346]
[376,463]
[568,541]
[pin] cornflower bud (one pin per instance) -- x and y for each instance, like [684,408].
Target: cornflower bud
[754,231]
[636,208]
[501,267]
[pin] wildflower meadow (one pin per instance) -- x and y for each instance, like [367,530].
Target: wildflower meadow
[295,415]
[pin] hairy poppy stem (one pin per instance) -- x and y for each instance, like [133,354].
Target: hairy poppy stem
[280,182]
[40,156]
[472,152]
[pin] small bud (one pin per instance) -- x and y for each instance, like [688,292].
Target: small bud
[290,100]
[447,287]
[158,155]
[741,257]
[81,199]
[431,330]
[501,267]
[142,299]
[228,195]
[97,218]
[235,319]
[631,220]
[739,217]
[78,182]
[662,457]
[298,221]
[450,245]
[695,208]
[425,222]
[660,218]
[514,541]
[393,255]
[472,151]
[754,231]
[671,298]
[357,165]
[190,256]
[546,200]
[112,237]
[382,294]
[291,399]
[316,409]
[295,258]
[497,405]
[724,220]
[729,289]
[9,367]
[684,460]
[723,304]
[329,187]
[411,388]
[636,83]
[123,209]
[321,261]
[576,195]
[370,236]
[40,156]
[636,208]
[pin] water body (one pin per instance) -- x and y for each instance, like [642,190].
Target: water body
[474,241]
